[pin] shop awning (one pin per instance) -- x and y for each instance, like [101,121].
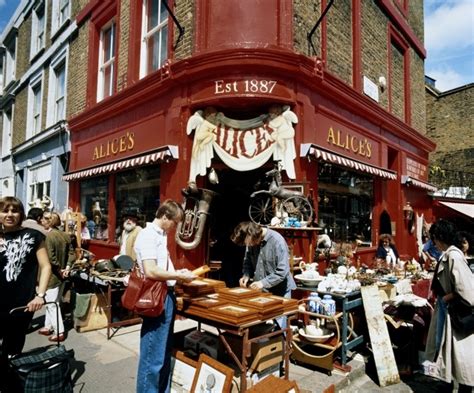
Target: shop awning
[162,154]
[308,149]
[464,208]
[409,181]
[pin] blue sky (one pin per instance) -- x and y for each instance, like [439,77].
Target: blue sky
[449,39]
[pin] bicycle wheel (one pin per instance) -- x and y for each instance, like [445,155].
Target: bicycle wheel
[299,208]
[261,209]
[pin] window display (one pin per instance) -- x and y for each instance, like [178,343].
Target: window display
[137,192]
[345,200]
[94,205]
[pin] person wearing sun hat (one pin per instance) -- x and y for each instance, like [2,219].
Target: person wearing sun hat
[131,229]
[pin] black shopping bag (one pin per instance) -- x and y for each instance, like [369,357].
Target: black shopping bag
[43,370]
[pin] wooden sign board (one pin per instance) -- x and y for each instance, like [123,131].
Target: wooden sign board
[384,358]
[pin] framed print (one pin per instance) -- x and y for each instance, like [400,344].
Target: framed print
[300,187]
[182,372]
[262,302]
[234,314]
[237,293]
[212,376]
[206,302]
[233,310]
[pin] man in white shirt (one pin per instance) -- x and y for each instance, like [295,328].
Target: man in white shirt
[154,366]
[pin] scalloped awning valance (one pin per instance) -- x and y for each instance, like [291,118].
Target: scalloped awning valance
[162,154]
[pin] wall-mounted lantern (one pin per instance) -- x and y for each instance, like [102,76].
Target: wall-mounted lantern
[408,212]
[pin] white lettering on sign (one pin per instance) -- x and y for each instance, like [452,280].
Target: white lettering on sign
[244,86]
[415,169]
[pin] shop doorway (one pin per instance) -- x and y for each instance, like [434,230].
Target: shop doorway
[230,207]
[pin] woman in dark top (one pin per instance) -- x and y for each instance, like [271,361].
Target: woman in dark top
[22,254]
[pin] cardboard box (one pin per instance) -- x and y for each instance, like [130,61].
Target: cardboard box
[96,316]
[264,353]
[202,342]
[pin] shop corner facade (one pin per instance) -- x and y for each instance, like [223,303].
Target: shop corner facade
[228,88]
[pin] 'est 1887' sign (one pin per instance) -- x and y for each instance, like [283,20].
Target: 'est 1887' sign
[244,86]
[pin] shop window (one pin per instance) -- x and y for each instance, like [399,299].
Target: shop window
[154,49]
[39,182]
[137,192]
[94,205]
[38,29]
[345,201]
[106,62]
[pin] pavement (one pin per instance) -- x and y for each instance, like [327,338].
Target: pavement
[102,365]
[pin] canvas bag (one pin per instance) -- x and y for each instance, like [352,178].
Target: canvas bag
[144,296]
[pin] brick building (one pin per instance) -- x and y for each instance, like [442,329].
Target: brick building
[333,90]
[35,104]
[450,123]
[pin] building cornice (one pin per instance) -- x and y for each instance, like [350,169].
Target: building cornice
[274,62]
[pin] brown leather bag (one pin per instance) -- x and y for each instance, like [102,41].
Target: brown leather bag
[144,296]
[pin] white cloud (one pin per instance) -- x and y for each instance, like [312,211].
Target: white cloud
[446,78]
[2,3]
[452,23]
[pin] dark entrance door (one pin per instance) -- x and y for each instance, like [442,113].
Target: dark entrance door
[229,208]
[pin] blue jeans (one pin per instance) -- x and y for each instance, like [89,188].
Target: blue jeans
[282,320]
[154,365]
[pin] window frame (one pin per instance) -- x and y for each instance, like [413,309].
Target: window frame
[10,61]
[35,117]
[2,69]
[33,183]
[61,14]
[7,130]
[147,34]
[60,61]
[35,29]
[109,64]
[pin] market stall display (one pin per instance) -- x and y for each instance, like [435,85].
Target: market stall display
[243,316]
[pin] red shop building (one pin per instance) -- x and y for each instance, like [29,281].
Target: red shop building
[243,98]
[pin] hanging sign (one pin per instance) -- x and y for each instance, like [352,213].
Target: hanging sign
[242,145]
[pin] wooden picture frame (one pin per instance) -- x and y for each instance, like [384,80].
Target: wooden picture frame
[206,302]
[212,376]
[233,310]
[262,303]
[238,293]
[183,370]
[295,186]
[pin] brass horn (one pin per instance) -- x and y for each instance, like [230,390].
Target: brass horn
[197,202]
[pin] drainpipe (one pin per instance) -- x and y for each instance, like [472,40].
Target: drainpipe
[318,22]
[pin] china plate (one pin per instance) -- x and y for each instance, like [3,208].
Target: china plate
[315,339]
[308,281]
